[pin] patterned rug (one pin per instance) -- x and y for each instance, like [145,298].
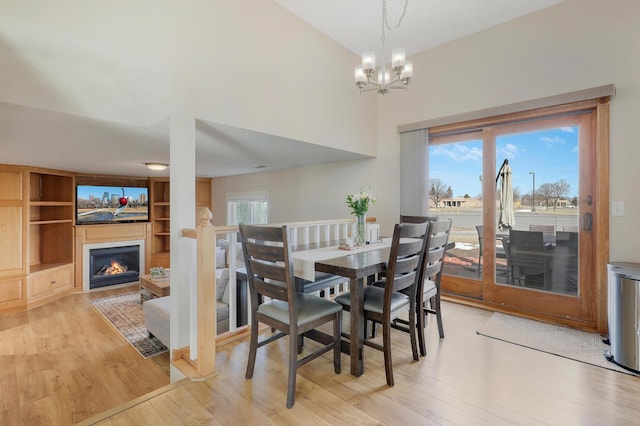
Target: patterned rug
[553,339]
[125,313]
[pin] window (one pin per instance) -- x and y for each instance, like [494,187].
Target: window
[251,208]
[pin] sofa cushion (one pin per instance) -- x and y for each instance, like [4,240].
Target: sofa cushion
[222,279]
[221,260]
[225,244]
[222,311]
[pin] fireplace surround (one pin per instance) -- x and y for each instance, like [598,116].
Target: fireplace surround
[112,251]
[113,265]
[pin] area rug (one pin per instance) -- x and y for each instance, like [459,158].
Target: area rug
[125,313]
[553,339]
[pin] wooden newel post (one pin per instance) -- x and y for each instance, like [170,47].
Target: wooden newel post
[206,292]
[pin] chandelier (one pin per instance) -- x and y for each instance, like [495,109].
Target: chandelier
[368,78]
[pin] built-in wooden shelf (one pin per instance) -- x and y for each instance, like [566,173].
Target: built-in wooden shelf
[160,213]
[47,222]
[39,267]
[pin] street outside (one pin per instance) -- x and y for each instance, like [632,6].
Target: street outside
[463,259]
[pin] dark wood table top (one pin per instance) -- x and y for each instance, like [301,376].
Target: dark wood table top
[356,265]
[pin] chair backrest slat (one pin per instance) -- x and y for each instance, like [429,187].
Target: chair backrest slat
[267,258]
[270,289]
[272,271]
[417,219]
[409,247]
[264,252]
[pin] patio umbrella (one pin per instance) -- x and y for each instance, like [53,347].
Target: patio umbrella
[507,217]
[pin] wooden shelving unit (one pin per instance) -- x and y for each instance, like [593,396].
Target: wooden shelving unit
[160,202]
[51,238]
[159,196]
[13,243]
[50,220]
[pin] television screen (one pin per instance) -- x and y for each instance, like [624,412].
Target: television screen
[111,204]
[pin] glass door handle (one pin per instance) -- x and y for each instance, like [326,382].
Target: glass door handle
[587,221]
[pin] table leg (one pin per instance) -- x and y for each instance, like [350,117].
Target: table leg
[357,326]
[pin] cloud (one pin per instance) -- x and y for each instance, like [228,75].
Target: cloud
[509,151]
[575,149]
[550,141]
[458,153]
[568,129]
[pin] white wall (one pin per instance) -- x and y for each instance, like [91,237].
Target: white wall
[575,45]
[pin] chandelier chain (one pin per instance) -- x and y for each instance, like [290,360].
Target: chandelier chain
[385,21]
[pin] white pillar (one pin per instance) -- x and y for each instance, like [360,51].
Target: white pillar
[182,210]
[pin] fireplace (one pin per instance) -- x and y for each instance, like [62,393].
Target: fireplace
[113,265]
[89,268]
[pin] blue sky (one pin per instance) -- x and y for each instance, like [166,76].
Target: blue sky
[551,154]
[97,191]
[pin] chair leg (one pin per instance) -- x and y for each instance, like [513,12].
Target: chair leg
[300,344]
[435,301]
[293,365]
[412,333]
[386,345]
[253,348]
[337,328]
[420,313]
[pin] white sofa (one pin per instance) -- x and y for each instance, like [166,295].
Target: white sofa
[157,311]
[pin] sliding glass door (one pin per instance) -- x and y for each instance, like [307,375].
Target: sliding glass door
[535,257]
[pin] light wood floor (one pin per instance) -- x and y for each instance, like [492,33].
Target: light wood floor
[466,379]
[63,362]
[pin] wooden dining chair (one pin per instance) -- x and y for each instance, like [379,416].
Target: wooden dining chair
[269,266]
[429,284]
[406,219]
[384,301]
[428,288]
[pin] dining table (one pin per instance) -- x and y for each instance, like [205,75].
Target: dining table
[357,265]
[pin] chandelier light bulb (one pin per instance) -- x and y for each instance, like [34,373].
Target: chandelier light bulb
[359,74]
[407,72]
[369,60]
[398,57]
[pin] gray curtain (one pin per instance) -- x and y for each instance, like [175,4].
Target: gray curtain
[414,172]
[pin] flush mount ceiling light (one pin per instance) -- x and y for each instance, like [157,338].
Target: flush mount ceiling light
[401,68]
[156,166]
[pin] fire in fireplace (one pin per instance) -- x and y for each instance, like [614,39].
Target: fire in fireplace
[114,265]
[115,268]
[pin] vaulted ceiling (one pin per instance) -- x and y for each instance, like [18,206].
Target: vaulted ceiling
[62,123]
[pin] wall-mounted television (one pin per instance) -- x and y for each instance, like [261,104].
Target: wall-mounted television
[111,204]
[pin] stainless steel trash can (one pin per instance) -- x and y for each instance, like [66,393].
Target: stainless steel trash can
[624,314]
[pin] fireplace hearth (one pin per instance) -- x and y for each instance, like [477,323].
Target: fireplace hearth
[113,265]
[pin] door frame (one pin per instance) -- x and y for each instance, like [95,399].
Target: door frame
[591,314]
